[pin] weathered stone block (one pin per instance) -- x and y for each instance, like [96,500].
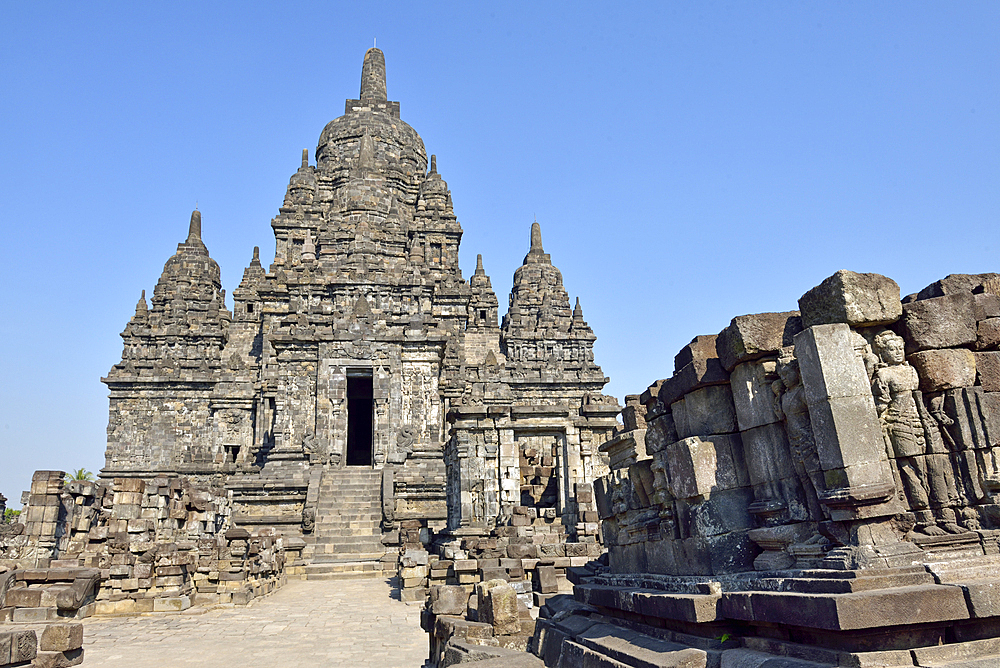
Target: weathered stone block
[860,300]
[660,432]
[988,370]
[753,398]
[701,348]
[449,599]
[708,410]
[988,334]
[941,322]
[23,646]
[955,283]
[752,336]
[846,428]
[985,305]
[61,637]
[944,369]
[694,468]
[547,581]
[699,373]
[171,604]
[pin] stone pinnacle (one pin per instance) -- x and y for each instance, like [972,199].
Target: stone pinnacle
[373,76]
[536,238]
[305,157]
[194,230]
[479,265]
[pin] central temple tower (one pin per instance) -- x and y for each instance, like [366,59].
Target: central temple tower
[360,347]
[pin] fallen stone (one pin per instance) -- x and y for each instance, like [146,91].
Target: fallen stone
[449,599]
[944,369]
[752,336]
[61,637]
[860,300]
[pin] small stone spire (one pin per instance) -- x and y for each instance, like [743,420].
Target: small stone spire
[536,238]
[141,308]
[434,164]
[536,254]
[373,76]
[305,157]
[255,262]
[479,265]
[577,310]
[194,230]
[416,253]
[309,248]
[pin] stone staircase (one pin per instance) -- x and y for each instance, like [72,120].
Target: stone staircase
[347,539]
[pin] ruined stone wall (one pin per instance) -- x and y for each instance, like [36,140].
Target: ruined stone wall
[860,427]
[169,538]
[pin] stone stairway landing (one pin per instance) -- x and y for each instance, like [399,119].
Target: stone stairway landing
[347,539]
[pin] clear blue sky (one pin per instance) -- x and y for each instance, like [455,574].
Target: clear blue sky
[688,162]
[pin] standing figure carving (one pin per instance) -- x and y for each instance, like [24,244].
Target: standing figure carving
[790,406]
[924,478]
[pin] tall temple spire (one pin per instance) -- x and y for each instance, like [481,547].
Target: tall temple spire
[373,76]
[194,230]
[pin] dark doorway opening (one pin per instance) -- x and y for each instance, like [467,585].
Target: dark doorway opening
[359,420]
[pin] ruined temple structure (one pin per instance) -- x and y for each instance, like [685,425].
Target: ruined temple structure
[361,385]
[818,487]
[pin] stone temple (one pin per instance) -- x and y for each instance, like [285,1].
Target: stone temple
[361,359]
[809,488]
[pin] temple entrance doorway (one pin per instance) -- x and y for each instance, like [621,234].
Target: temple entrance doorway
[360,414]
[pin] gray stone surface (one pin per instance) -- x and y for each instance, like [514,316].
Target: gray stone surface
[342,623]
[707,410]
[944,369]
[988,370]
[859,300]
[955,283]
[752,336]
[939,322]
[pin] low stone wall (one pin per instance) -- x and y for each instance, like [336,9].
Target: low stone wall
[157,545]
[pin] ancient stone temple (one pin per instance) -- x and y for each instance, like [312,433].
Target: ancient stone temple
[361,361]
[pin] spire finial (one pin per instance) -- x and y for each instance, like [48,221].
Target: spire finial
[141,307]
[305,157]
[256,257]
[373,76]
[536,237]
[479,265]
[434,164]
[194,229]
[578,312]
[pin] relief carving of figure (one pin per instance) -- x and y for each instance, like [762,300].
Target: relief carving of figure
[923,474]
[790,406]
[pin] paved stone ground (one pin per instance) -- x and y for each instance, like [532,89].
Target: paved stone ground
[325,623]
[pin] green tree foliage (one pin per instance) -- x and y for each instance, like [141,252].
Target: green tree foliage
[79,474]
